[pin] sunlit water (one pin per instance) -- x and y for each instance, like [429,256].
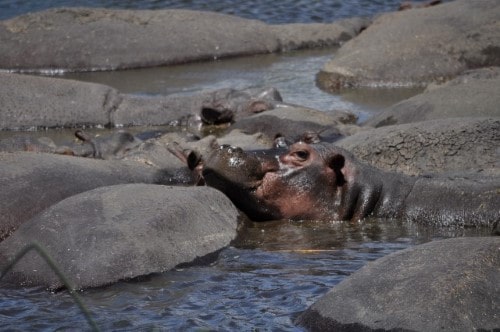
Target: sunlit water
[274,270]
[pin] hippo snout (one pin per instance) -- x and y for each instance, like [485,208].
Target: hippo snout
[241,168]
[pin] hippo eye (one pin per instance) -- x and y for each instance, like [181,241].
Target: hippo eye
[302,154]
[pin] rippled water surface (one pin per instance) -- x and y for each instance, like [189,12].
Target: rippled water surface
[271,273]
[278,11]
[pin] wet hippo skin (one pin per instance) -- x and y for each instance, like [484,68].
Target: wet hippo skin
[325,182]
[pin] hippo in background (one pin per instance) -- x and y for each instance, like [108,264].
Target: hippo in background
[324,182]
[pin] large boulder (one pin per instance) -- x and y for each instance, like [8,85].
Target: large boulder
[31,182]
[416,47]
[82,39]
[447,285]
[474,93]
[28,101]
[120,232]
[31,101]
[444,145]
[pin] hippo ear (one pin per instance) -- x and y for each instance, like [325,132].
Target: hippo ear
[336,163]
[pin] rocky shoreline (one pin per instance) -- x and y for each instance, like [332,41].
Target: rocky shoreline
[452,129]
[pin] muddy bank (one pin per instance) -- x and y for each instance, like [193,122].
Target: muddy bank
[88,39]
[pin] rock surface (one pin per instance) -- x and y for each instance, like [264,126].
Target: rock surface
[31,182]
[474,93]
[31,101]
[83,39]
[28,102]
[417,47]
[447,285]
[121,232]
[442,145]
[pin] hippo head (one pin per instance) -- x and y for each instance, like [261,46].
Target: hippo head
[299,182]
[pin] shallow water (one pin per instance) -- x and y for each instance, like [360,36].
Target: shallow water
[271,273]
[293,74]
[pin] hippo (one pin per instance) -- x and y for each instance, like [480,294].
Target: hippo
[324,182]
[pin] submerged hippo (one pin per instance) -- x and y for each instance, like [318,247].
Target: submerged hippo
[324,182]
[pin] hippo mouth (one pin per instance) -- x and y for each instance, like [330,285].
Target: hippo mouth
[240,175]
[238,168]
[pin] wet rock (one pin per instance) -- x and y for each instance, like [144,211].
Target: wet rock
[416,47]
[83,39]
[120,232]
[443,145]
[31,182]
[474,93]
[447,285]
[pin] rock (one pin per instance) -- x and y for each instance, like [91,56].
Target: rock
[442,145]
[417,47]
[446,285]
[28,102]
[300,36]
[474,93]
[121,232]
[224,106]
[293,121]
[56,38]
[83,39]
[236,137]
[31,182]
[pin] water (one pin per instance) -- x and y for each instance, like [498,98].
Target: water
[274,270]
[274,12]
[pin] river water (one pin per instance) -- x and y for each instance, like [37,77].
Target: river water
[274,270]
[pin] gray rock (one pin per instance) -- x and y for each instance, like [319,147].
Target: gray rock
[31,101]
[474,93]
[309,35]
[82,39]
[416,47]
[120,232]
[31,182]
[103,39]
[447,285]
[293,121]
[442,145]
[28,102]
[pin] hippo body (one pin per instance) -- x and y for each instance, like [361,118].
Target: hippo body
[324,182]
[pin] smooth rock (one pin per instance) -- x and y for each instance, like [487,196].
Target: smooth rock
[446,285]
[417,47]
[84,39]
[121,232]
[474,93]
[31,182]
